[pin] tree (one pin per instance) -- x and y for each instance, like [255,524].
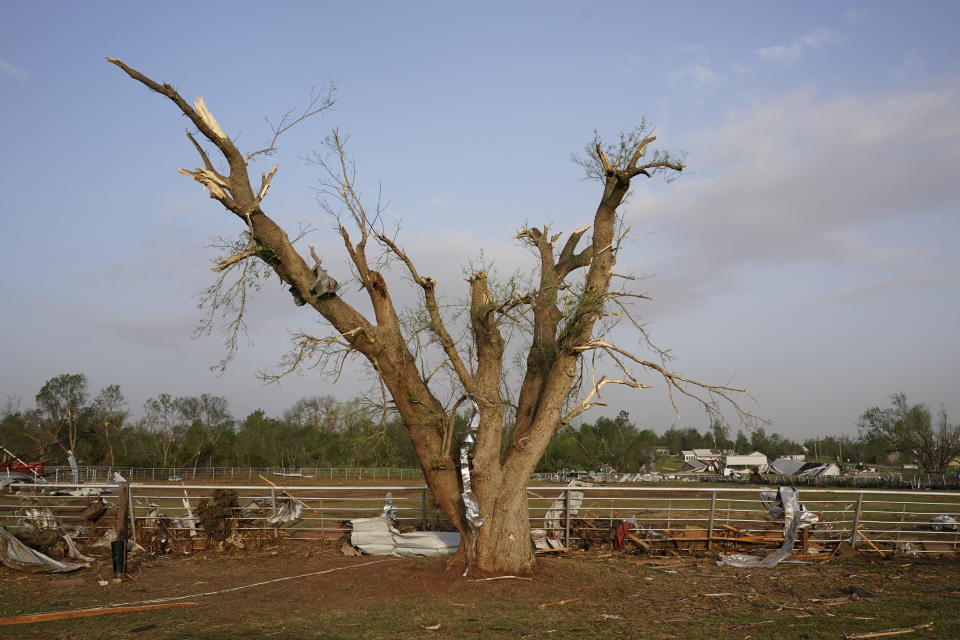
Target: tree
[60,404]
[910,429]
[161,416]
[208,419]
[108,413]
[565,312]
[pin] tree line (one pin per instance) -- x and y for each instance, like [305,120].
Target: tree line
[321,431]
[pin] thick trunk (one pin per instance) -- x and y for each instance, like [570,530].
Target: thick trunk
[503,542]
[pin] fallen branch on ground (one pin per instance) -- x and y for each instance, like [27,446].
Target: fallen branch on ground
[888,632]
[557,603]
[84,613]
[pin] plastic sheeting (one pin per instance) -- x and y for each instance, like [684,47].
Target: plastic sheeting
[19,556]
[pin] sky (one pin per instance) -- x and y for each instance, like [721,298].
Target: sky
[809,253]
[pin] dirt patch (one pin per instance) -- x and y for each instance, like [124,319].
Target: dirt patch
[298,589]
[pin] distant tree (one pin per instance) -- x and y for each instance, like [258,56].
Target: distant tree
[208,418]
[161,415]
[742,443]
[60,404]
[108,412]
[323,413]
[720,431]
[911,429]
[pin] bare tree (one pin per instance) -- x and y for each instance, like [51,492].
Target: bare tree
[565,312]
[161,415]
[60,404]
[108,411]
[910,429]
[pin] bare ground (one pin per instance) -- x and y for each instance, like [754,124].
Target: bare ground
[590,596]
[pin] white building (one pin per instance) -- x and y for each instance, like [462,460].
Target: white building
[755,461]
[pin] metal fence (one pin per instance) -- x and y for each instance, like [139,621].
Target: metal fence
[889,520]
[90,474]
[864,480]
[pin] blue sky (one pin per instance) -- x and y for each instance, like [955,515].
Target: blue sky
[810,253]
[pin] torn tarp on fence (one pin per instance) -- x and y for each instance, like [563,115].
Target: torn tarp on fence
[793,512]
[19,556]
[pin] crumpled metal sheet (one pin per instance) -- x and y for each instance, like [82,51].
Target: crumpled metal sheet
[19,556]
[469,500]
[377,537]
[790,506]
[553,519]
[772,503]
[288,509]
[943,523]
[324,285]
[389,510]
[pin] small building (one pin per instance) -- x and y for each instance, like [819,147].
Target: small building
[754,461]
[661,451]
[708,455]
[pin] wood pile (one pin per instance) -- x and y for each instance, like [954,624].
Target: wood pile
[590,532]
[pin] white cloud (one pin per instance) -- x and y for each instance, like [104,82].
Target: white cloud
[911,66]
[697,72]
[792,53]
[804,179]
[8,69]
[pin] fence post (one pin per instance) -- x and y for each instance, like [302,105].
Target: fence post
[713,510]
[856,521]
[133,516]
[566,518]
[273,509]
[423,509]
[903,515]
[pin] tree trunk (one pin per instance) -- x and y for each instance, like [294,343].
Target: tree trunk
[503,542]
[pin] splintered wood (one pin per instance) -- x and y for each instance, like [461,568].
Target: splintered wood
[597,533]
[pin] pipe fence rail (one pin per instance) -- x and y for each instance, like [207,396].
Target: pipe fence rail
[889,520]
[159,474]
[864,480]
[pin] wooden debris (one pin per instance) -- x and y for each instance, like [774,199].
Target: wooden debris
[888,632]
[83,613]
[637,541]
[872,546]
[557,603]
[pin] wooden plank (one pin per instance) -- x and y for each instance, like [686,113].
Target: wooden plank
[872,546]
[84,613]
[641,543]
